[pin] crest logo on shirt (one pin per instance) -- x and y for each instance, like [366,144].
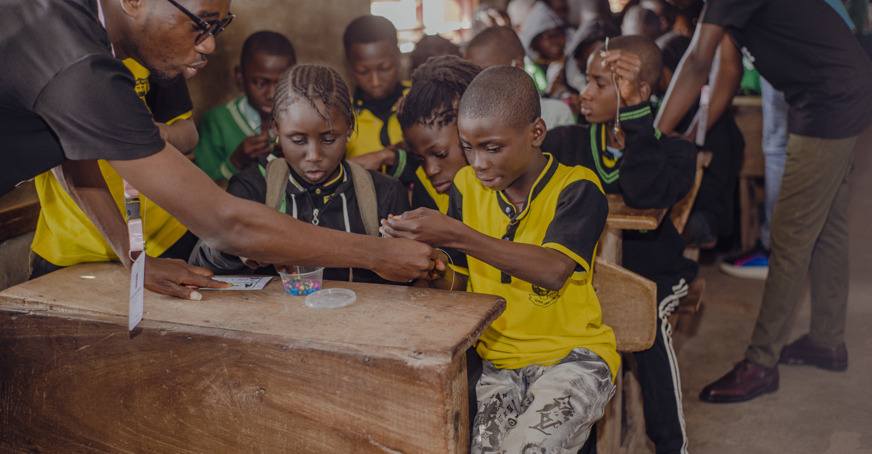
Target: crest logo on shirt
[543,297]
[142,86]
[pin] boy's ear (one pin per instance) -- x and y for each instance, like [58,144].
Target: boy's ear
[237,71]
[537,132]
[645,90]
[131,8]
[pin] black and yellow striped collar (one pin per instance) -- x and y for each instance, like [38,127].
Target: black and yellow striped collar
[544,177]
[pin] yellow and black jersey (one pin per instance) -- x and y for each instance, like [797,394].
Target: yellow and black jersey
[565,211]
[64,234]
[375,123]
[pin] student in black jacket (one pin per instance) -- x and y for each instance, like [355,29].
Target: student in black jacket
[650,170]
[314,119]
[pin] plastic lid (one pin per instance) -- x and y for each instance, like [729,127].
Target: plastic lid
[331,298]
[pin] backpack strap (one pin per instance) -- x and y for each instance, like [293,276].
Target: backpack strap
[277,172]
[364,190]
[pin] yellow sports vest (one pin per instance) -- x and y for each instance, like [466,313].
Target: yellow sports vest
[64,234]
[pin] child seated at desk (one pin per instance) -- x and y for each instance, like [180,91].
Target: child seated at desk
[428,116]
[314,120]
[524,227]
[374,58]
[650,170]
[233,136]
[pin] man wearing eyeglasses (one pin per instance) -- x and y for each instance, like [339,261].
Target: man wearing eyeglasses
[66,100]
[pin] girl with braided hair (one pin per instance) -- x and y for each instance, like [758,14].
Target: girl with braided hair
[313,116]
[428,117]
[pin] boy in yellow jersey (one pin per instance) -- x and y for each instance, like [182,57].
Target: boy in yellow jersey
[522,226]
[374,59]
[64,234]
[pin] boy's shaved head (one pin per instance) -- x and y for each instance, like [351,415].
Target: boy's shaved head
[503,92]
[647,51]
[500,44]
[270,43]
[369,29]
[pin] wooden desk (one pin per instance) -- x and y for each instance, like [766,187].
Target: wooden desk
[622,217]
[236,372]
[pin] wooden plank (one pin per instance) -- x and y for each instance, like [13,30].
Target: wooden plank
[236,372]
[623,217]
[19,211]
[77,382]
[681,210]
[629,305]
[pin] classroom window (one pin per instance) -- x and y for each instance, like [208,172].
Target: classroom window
[416,18]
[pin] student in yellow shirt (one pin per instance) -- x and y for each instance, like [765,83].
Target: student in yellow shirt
[522,226]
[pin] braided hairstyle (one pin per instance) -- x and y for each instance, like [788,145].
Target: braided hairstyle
[436,90]
[311,82]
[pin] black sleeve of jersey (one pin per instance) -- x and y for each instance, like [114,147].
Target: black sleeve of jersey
[250,185]
[168,99]
[404,166]
[92,108]
[655,173]
[422,198]
[393,197]
[579,218]
[455,210]
[570,145]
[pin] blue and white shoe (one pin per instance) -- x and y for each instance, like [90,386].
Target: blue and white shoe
[753,264]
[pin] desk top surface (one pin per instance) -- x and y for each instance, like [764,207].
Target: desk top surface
[623,217]
[411,322]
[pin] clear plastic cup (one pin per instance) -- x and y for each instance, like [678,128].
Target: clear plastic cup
[302,280]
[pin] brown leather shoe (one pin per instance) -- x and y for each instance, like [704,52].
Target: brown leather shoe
[746,381]
[806,351]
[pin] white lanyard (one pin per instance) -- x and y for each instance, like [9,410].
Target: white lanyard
[131,195]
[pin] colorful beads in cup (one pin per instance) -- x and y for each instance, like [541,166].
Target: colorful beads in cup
[305,281]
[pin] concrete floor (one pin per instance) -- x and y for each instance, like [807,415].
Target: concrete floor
[814,411]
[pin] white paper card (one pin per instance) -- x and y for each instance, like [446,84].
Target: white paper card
[137,290]
[241,282]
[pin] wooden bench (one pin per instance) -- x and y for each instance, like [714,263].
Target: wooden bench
[19,212]
[629,305]
[236,372]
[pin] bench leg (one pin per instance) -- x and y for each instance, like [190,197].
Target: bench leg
[623,419]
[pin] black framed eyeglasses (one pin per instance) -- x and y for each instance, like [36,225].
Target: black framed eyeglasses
[207,29]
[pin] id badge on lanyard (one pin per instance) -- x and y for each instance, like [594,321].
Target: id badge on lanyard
[134,231]
[137,254]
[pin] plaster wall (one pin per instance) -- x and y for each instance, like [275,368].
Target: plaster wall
[314,27]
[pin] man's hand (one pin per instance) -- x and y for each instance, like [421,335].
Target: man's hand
[422,224]
[404,260]
[250,148]
[626,68]
[176,278]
